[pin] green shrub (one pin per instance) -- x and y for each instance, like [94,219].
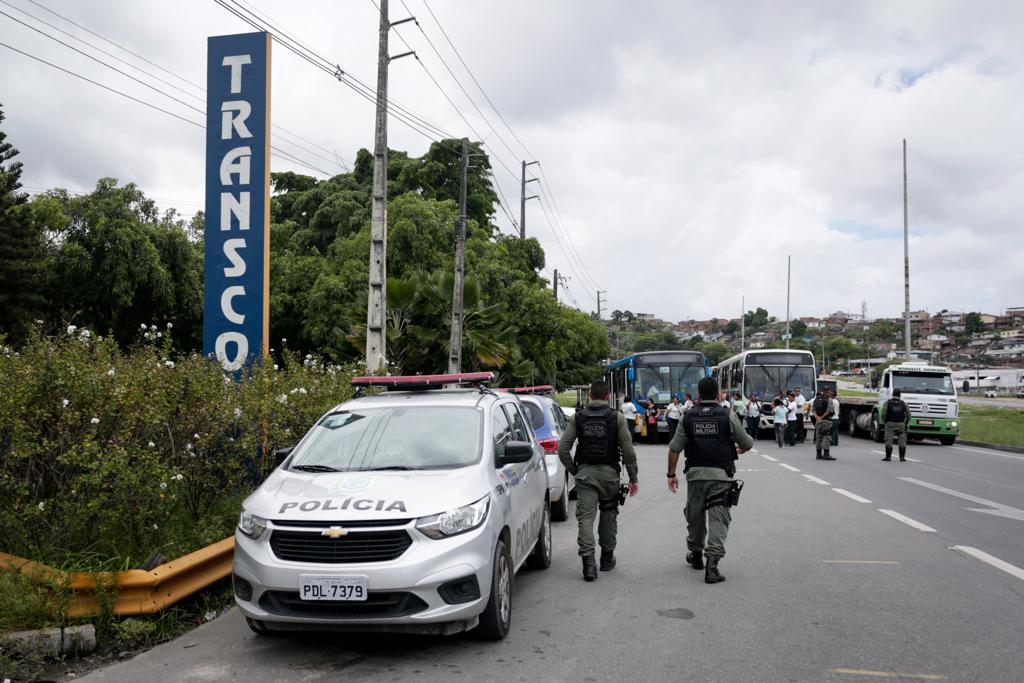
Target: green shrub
[109,455]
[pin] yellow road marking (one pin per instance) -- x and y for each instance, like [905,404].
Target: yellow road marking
[889,674]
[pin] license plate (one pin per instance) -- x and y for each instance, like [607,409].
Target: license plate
[925,422]
[338,588]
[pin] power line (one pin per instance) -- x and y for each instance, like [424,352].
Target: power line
[548,197]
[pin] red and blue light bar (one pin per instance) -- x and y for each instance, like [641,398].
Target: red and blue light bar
[540,389]
[412,382]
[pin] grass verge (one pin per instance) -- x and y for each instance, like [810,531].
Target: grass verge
[566,399]
[1002,426]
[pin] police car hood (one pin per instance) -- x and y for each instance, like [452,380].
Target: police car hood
[371,495]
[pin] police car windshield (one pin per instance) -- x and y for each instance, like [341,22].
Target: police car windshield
[922,382]
[397,438]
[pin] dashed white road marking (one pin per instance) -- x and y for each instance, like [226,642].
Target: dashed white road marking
[1001,455]
[992,560]
[788,467]
[907,520]
[998,509]
[768,457]
[912,459]
[860,562]
[852,496]
[816,480]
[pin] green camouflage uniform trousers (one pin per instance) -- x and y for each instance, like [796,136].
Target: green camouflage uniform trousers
[897,429]
[710,525]
[597,492]
[823,435]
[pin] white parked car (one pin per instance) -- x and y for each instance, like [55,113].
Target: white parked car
[409,510]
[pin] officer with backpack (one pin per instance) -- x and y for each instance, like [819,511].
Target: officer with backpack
[895,415]
[603,446]
[822,409]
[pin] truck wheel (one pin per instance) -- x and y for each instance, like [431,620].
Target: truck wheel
[876,429]
[851,424]
[560,509]
[496,619]
[947,440]
[540,558]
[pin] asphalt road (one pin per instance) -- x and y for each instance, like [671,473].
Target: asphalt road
[911,571]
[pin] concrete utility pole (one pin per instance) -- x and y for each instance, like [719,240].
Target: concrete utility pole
[455,343]
[743,321]
[789,264]
[556,284]
[601,293]
[523,198]
[376,305]
[906,259]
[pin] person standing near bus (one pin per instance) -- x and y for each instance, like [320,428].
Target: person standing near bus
[801,410]
[651,421]
[753,414]
[791,418]
[779,420]
[687,402]
[821,408]
[673,414]
[628,410]
[835,419]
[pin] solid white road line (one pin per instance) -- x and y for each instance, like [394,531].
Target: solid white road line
[1001,455]
[906,520]
[768,457]
[811,477]
[994,561]
[998,509]
[788,467]
[852,496]
[860,562]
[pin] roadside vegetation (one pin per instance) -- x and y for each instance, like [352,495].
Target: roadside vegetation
[1002,426]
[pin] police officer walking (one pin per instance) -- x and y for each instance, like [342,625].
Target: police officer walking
[895,415]
[822,409]
[710,437]
[604,445]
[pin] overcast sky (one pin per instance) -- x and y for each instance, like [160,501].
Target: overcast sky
[690,146]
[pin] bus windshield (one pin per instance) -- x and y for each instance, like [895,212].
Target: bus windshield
[922,382]
[661,382]
[768,380]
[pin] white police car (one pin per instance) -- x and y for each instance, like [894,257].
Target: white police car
[409,510]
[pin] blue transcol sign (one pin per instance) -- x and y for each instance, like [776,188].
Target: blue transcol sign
[237,273]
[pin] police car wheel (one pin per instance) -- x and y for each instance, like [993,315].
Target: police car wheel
[496,619]
[560,509]
[540,558]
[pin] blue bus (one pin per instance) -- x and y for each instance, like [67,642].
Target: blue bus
[658,375]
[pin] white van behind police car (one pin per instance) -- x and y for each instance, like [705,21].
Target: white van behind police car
[409,510]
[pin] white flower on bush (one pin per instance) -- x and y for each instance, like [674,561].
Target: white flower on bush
[84,335]
[163,486]
[94,421]
[238,413]
[156,528]
[275,366]
[283,398]
[152,445]
[283,340]
[298,390]
[188,446]
[110,372]
[169,363]
[169,326]
[42,506]
[177,477]
[143,326]
[71,329]
[65,403]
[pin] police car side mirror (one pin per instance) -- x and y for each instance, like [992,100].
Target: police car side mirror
[281,454]
[516,452]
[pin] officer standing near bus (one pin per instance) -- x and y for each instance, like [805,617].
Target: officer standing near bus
[604,445]
[822,409]
[895,415]
[710,436]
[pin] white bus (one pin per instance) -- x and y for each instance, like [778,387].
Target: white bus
[766,372]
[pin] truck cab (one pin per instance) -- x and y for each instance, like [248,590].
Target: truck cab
[929,392]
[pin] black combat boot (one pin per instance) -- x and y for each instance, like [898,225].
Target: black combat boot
[817,454]
[711,573]
[903,455]
[827,456]
[589,568]
[888,454]
[695,560]
[607,560]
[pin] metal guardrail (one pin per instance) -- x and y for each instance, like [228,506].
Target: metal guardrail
[135,591]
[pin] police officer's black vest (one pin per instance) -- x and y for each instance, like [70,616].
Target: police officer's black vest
[896,410]
[708,437]
[822,405]
[597,432]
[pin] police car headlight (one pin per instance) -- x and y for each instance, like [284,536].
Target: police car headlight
[251,525]
[457,521]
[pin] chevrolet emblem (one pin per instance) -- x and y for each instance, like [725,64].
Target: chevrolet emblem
[334,532]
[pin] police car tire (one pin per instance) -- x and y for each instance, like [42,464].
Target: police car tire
[492,626]
[540,558]
[560,510]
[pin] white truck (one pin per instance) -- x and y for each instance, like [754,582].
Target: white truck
[928,391]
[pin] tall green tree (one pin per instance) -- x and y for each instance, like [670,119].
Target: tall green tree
[22,250]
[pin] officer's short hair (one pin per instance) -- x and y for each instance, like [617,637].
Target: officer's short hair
[707,389]
[599,390]
[897,393]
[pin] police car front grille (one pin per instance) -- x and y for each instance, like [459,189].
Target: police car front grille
[348,524]
[357,546]
[378,605]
